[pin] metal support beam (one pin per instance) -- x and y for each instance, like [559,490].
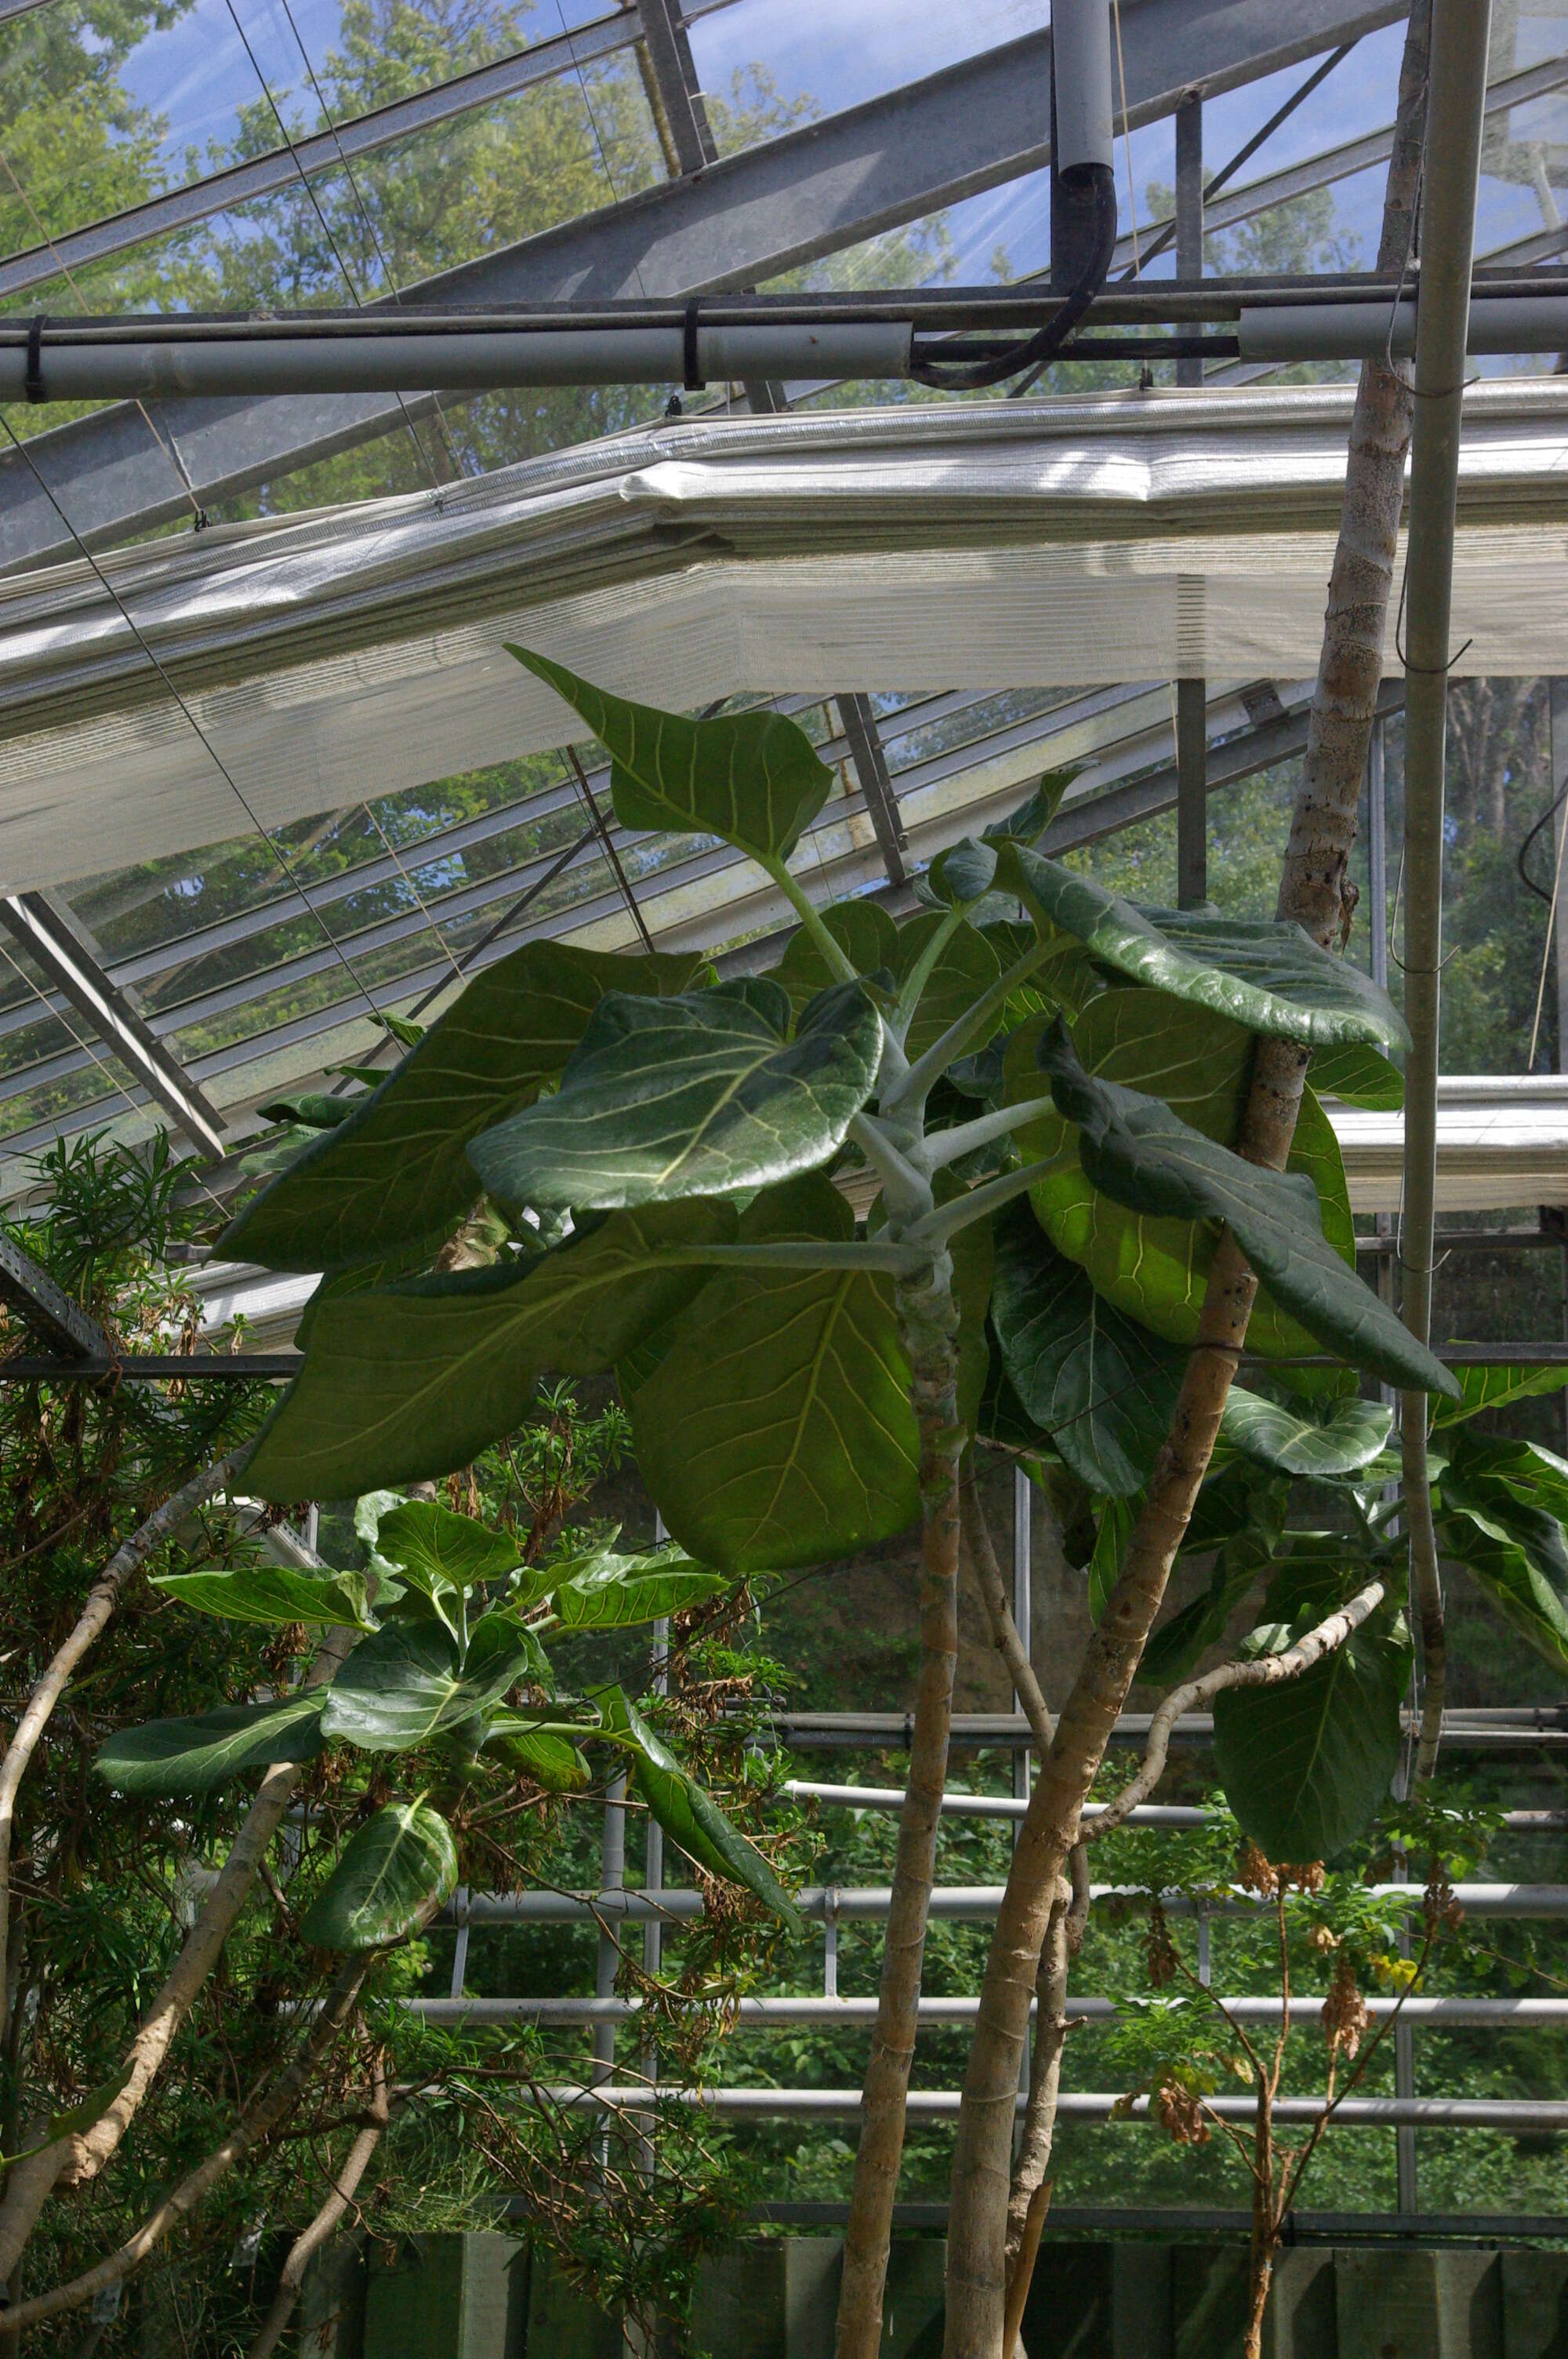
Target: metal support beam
[859,719]
[670,62]
[1189,210]
[1192,793]
[816,190]
[57,942]
[27,1288]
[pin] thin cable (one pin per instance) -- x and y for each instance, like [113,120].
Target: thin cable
[308,186]
[1126,133]
[1546,947]
[366,215]
[216,758]
[611,855]
[441,942]
[170,448]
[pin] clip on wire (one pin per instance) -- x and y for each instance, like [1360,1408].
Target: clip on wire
[33,381]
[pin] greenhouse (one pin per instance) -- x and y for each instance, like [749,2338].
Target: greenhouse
[783,1180]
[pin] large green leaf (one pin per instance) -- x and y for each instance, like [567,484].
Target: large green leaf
[1339,1439]
[1267,978]
[967,966]
[545,1754]
[1179,1645]
[776,1429]
[397,1170]
[694,1096]
[1198,1063]
[606,1592]
[1358,1076]
[199,1755]
[753,778]
[1101,1385]
[1501,1506]
[400,1864]
[691,1819]
[1117,1520]
[273,1593]
[416,1381]
[412,1682]
[1136,1149]
[1488,1387]
[423,1537]
[1306,1765]
[863,932]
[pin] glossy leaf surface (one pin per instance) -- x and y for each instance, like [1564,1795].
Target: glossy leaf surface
[391,1871]
[693,1096]
[397,1171]
[411,1682]
[1100,1385]
[199,1755]
[273,1593]
[1136,1149]
[1307,1765]
[416,1381]
[606,1592]
[1340,1438]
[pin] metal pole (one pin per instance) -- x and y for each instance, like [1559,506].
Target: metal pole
[1192,793]
[1378,856]
[1189,210]
[612,1878]
[1022,1605]
[1557,742]
[1460,29]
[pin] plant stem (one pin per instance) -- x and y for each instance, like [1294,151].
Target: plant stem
[976,1204]
[838,965]
[947,1146]
[972,1026]
[928,1322]
[345,2183]
[920,973]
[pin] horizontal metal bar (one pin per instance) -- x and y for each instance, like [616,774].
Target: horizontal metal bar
[976,1902]
[1363,330]
[1528,2117]
[890,1732]
[959,1804]
[151,1367]
[759,2013]
[1080,2220]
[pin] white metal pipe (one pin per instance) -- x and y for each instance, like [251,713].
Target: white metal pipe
[868,1902]
[1355,331]
[1532,2117]
[78,369]
[760,2013]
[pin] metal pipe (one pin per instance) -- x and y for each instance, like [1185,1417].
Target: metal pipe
[1455,103]
[960,1805]
[1508,1729]
[1080,70]
[1439,2014]
[72,367]
[1358,332]
[868,1902]
[1525,2117]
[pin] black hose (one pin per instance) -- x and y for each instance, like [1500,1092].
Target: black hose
[1037,350]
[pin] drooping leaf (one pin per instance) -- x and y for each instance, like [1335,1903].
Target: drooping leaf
[1339,1439]
[1358,1075]
[397,1170]
[1267,978]
[316,1110]
[412,1680]
[365,1277]
[1156,1268]
[694,1096]
[1501,1506]
[1116,1519]
[273,1593]
[400,1865]
[753,778]
[199,1755]
[691,1819]
[605,1591]
[1306,1765]
[551,1760]
[1103,1387]
[1137,1150]
[418,1380]
[1488,1387]
[863,932]
[777,1431]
